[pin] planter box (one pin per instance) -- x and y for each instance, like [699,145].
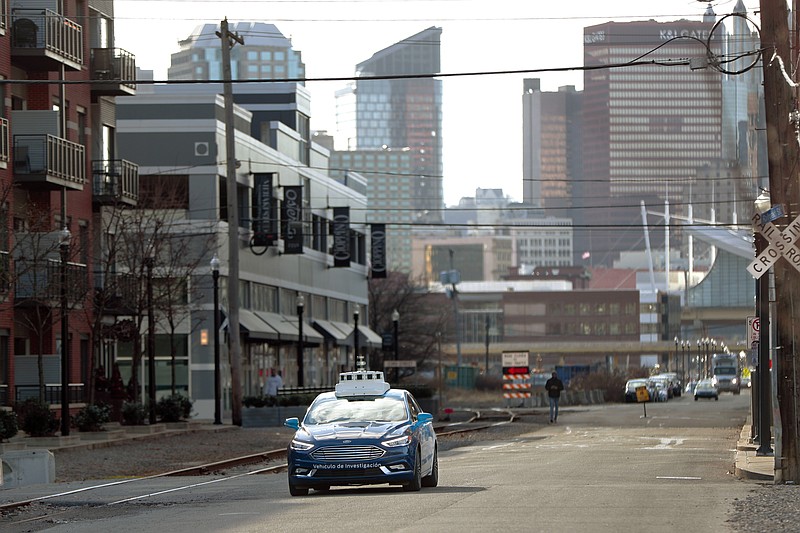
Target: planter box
[99,436]
[145,429]
[259,417]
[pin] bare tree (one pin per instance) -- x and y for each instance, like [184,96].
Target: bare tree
[156,229]
[421,317]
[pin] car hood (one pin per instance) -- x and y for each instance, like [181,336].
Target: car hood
[353,430]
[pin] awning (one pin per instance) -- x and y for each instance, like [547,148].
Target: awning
[286,330]
[310,335]
[330,332]
[366,337]
[255,328]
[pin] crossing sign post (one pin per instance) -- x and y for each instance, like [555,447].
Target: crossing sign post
[781,245]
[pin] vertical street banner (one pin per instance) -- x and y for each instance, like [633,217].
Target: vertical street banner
[293,219]
[264,219]
[341,236]
[378,251]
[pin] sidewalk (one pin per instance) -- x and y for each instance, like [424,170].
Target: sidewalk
[748,464]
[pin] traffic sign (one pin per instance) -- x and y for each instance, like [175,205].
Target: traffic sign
[511,359]
[781,244]
[400,363]
[753,329]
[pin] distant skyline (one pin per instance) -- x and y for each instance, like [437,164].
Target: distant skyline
[482,115]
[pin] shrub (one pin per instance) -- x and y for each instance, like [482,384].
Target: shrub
[37,418]
[259,401]
[419,390]
[133,414]
[613,384]
[174,408]
[92,417]
[8,424]
[489,383]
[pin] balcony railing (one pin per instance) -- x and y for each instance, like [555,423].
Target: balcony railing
[52,393]
[47,37]
[115,294]
[115,180]
[118,67]
[40,281]
[49,161]
[3,26]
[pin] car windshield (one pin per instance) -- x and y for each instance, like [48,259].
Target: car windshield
[332,409]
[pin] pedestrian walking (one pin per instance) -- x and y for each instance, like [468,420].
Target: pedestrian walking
[554,386]
[273,383]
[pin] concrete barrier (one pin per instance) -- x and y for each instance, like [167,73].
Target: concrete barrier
[27,467]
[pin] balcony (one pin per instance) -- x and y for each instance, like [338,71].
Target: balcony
[42,39]
[115,294]
[48,162]
[3,27]
[39,282]
[115,181]
[115,66]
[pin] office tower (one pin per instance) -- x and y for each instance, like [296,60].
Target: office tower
[401,113]
[646,128]
[552,166]
[266,54]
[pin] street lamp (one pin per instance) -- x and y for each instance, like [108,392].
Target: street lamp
[151,341]
[355,336]
[217,391]
[64,237]
[677,366]
[301,303]
[486,340]
[395,323]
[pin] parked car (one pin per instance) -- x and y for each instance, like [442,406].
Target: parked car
[706,388]
[630,389]
[675,382]
[663,388]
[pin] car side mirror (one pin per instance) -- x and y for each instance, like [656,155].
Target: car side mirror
[423,418]
[293,423]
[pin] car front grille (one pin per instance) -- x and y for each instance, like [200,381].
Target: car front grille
[347,453]
[350,472]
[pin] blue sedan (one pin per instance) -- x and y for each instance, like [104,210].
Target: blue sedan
[364,433]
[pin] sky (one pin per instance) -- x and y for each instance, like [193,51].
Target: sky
[482,114]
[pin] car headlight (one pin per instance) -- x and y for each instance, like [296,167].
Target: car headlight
[300,446]
[405,440]
[734,381]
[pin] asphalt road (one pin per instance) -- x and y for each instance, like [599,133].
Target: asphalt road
[601,468]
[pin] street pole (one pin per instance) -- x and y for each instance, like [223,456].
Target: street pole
[301,302]
[151,341]
[355,338]
[65,419]
[396,342]
[486,339]
[217,391]
[764,415]
[234,345]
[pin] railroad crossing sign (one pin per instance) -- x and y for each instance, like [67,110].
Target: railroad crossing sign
[781,244]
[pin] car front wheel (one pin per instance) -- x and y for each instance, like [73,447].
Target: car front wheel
[416,483]
[432,479]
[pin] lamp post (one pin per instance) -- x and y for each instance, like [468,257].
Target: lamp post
[486,339]
[699,351]
[355,337]
[217,391]
[676,354]
[395,340]
[151,341]
[64,237]
[764,384]
[301,304]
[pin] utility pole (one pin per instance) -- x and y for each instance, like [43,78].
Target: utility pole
[780,103]
[229,40]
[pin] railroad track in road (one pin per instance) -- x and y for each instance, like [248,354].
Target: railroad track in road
[254,464]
